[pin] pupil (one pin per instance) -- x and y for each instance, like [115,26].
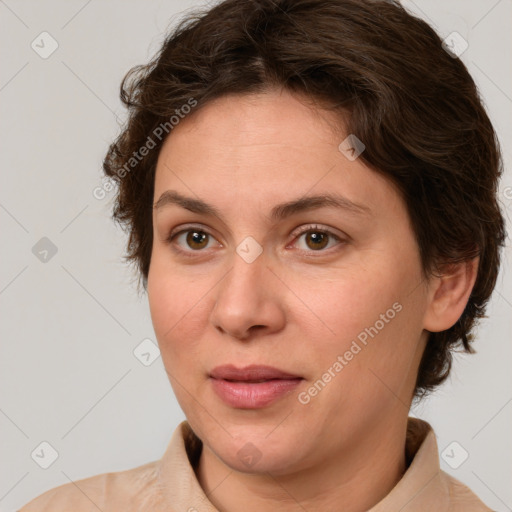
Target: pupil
[318,239]
[196,238]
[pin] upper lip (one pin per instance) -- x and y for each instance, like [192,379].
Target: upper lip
[250,373]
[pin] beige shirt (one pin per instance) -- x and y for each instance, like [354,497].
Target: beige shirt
[170,484]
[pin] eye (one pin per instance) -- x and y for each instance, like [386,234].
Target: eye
[195,239]
[317,239]
[310,238]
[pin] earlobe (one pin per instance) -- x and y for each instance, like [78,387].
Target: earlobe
[449,294]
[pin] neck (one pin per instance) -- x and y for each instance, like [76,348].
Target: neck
[351,480]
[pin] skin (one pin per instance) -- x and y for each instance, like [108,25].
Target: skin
[295,307]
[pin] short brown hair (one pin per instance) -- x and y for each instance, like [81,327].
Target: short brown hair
[414,105]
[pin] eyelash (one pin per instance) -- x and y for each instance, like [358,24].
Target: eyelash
[308,229]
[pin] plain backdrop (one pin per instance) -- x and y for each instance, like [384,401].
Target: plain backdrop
[70,323]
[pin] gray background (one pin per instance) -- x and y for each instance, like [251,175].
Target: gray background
[69,325]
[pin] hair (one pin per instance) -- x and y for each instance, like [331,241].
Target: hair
[386,73]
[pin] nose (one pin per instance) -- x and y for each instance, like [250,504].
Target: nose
[249,300]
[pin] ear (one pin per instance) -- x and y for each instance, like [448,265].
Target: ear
[448,295]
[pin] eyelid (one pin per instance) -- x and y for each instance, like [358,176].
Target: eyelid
[341,238]
[184,228]
[190,227]
[317,227]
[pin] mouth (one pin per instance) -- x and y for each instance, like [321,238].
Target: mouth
[252,387]
[250,381]
[253,373]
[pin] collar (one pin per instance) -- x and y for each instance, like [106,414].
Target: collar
[422,487]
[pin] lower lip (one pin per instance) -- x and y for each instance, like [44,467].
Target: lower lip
[246,395]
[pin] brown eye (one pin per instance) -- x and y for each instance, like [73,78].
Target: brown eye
[316,240]
[191,240]
[197,239]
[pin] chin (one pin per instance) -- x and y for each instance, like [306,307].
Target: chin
[251,459]
[253,450]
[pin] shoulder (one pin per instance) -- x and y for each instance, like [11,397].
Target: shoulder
[462,498]
[130,490]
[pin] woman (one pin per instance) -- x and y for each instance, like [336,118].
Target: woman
[310,192]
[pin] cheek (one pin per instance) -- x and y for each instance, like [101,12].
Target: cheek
[369,317]
[378,350]
[178,317]
[344,306]
[178,307]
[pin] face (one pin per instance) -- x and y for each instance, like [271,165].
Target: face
[291,328]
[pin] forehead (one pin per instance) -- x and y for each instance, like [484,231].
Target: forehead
[263,148]
[246,121]
[268,111]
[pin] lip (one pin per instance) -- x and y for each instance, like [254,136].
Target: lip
[250,373]
[252,387]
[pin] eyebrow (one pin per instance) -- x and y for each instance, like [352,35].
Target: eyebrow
[278,212]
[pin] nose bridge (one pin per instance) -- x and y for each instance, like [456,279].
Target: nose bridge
[248,265]
[244,284]
[246,296]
